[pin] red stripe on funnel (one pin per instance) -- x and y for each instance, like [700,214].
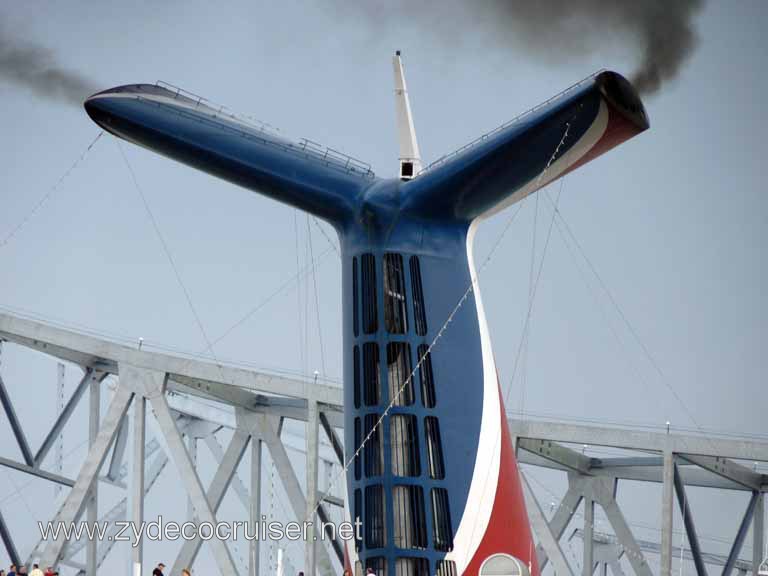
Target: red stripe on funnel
[508,529]
[618,130]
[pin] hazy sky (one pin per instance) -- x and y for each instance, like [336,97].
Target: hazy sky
[674,221]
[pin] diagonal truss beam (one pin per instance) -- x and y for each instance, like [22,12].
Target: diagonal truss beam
[733,555]
[336,544]
[10,547]
[215,495]
[237,484]
[690,526]
[268,427]
[188,474]
[13,420]
[338,446]
[601,491]
[66,413]
[78,496]
[549,542]
[563,515]
[118,452]
[119,511]
[620,526]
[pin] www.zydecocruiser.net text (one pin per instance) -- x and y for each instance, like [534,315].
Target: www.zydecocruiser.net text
[157,530]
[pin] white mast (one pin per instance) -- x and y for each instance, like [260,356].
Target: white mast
[410,158]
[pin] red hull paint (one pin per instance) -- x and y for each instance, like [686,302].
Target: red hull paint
[618,130]
[508,529]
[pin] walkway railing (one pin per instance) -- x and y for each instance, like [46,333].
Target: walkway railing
[509,123]
[305,147]
[217,109]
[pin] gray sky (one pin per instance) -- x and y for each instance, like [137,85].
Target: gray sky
[674,221]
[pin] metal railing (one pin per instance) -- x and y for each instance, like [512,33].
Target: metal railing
[305,147]
[508,123]
[217,109]
[327,154]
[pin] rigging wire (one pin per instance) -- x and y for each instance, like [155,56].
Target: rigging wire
[557,214]
[331,243]
[621,344]
[47,196]
[17,493]
[298,288]
[524,373]
[317,300]
[295,279]
[307,351]
[203,353]
[167,252]
[527,323]
[208,351]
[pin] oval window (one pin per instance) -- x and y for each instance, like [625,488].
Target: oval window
[503,565]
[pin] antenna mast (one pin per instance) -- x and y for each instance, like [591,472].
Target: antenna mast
[410,157]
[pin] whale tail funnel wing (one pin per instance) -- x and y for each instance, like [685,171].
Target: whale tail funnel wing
[523,155]
[208,137]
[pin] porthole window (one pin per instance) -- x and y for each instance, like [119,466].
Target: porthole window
[503,565]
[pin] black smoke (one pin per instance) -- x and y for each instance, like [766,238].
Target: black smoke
[34,67]
[660,33]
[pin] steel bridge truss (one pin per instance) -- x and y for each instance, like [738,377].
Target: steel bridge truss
[675,461]
[193,400]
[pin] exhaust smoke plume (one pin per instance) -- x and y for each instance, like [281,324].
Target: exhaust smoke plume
[660,32]
[34,67]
